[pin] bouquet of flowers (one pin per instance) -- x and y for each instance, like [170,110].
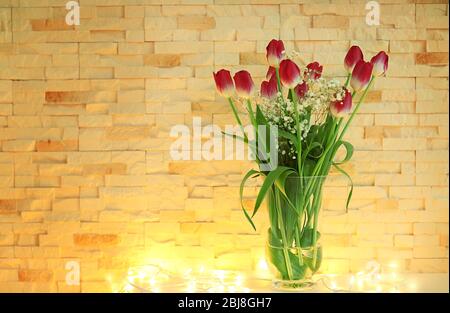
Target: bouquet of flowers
[311,115]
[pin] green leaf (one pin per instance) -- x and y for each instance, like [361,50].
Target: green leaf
[270,180]
[250,174]
[348,148]
[309,261]
[262,142]
[349,197]
[277,258]
[311,147]
[260,118]
[307,238]
[234,136]
[308,167]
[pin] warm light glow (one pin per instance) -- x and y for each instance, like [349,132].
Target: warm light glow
[372,279]
[154,278]
[262,265]
[412,286]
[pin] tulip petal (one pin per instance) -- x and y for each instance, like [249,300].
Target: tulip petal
[380,63]
[313,70]
[224,83]
[244,84]
[289,74]
[340,108]
[361,75]
[354,55]
[275,52]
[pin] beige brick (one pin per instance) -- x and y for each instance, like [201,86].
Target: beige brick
[404,144]
[404,241]
[86,113]
[330,21]
[196,22]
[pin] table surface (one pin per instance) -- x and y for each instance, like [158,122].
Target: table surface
[245,282]
[411,282]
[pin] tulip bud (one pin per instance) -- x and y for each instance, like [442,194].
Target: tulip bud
[301,90]
[313,70]
[244,84]
[224,83]
[289,74]
[380,63]
[354,55]
[361,75]
[269,88]
[275,52]
[342,106]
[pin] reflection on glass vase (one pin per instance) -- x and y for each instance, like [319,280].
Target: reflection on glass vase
[293,250]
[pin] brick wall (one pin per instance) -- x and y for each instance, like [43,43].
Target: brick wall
[85,115]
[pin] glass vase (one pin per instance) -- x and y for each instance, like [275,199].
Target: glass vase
[293,247]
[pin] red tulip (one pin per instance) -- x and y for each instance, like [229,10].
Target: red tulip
[341,107]
[269,88]
[271,72]
[380,63]
[301,90]
[275,52]
[354,55]
[289,74]
[361,75]
[224,83]
[314,70]
[244,84]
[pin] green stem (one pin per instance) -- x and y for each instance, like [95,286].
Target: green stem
[356,108]
[299,247]
[349,75]
[236,116]
[300,170]
[251,113]
[299,134]
[283,235]
[317,168]
[277,72]
[318,194]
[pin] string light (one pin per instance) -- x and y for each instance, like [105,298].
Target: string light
[153,278]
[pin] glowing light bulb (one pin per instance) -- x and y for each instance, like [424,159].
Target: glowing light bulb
[220,275]
[393,265]
[192,286]
[412,286]
[360,283]
[262,265]
[352,280]
[239,279]
[141,275]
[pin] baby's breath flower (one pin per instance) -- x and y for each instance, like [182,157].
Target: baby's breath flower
[311,109]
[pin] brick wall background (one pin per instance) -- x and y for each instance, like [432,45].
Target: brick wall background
[85,115]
